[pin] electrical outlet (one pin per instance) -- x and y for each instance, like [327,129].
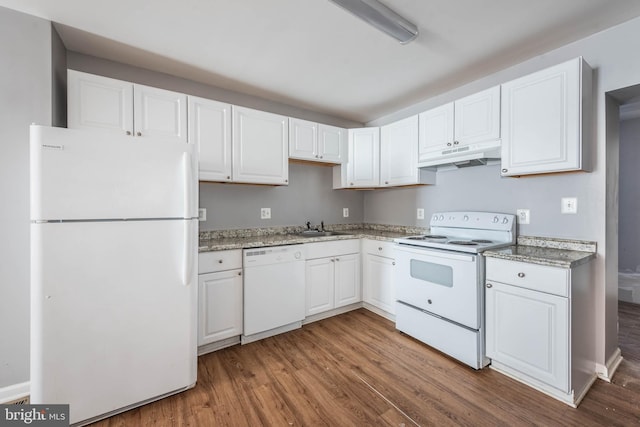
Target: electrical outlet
[202,214]
[420,213]
[345,212]
[569,205]
[524,216]
[265,213]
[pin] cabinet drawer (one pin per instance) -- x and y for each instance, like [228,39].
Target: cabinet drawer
[551,280]
[210,262]
[329,249]
[378,247]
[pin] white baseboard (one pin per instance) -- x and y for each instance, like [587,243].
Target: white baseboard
[605,372]
[14,392]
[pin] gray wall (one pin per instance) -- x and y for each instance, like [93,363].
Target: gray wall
[25,97]
[308,197]
[482,188]
[629,243]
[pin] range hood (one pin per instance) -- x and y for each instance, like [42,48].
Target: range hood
[462,156]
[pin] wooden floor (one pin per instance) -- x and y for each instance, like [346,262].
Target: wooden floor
[357,370]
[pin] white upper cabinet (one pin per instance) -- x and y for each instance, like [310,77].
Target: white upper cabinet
[363,168]
[316,142]
[399,155]
[159,113]
[210,131]
[470,120]
[543,128]
[260,147]
[96,102]
[332,144]
[99,102]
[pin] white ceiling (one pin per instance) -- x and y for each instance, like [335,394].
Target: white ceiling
[312,54]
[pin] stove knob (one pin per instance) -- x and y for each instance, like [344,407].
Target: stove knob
[435,218]
[495,219]
[441,218]
[466,218]
[505,220]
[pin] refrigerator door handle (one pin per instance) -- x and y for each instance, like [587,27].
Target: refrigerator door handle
[187,266]
[189,192]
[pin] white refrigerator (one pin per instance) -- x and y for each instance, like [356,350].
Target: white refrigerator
[114,237]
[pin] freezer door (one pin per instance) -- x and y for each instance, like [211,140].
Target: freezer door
[83,174]
[113,313]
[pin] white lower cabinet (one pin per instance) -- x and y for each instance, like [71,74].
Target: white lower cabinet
[532,315]
[377,275]
[332,275]
[220,297]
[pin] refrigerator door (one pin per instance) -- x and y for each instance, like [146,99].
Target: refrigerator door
[113,313]
[86,175]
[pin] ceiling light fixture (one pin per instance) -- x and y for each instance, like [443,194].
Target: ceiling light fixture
[381,17]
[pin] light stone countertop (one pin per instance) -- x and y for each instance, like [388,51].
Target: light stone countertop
[547,251]
[220,241]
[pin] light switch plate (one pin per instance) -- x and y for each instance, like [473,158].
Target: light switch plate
[265,213]
[420,213]
[524,216]
[569,205]
[202,214]
[345,212]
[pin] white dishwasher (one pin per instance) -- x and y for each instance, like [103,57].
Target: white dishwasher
[274,291]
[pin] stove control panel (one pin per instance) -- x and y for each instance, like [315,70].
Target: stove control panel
[479,220]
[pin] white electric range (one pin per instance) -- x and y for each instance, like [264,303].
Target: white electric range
[440,281]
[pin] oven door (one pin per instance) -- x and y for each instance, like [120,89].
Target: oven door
[444,283]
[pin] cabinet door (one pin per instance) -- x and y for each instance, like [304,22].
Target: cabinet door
[220,306]
[96,102]
[210,130]
[364,157]
[303,139]
[332,144]
[399,153]
[378,282]
[477,117]
[541,121]
[347,280]
[159,113]
[436,130]
[529,332]
[260,147]
[320,287]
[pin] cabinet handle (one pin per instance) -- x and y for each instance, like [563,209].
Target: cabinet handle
[520,274]
[505,170]
[128,132]
[489,285]
[138,133]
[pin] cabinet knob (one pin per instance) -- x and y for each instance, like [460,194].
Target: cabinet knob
[321,157]
[489,285]
[429,301]
[228,177]
[521,275]
[337,259]
[379,248]
[219,261]
[239,273]
[393,263]
[286,180]
[386,182]
[128,132]
[448,144]
[456,142]
[333,260]
[138,133]
[317,156]
[505,170]
[351,183]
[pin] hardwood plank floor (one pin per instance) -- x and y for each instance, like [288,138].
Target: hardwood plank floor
[357,370]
